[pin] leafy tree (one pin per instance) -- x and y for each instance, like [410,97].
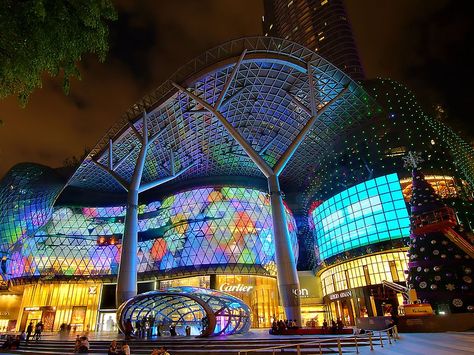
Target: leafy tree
[49,36]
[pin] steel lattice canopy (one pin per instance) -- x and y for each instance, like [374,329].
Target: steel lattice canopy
[260,104]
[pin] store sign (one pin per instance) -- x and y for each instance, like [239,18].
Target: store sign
[92,290]
[32,308]
[235,288]
[4,313]
[344,294]
[301,292]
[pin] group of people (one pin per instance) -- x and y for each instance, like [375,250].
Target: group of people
[81,345]
[116,349]
[278,327]
[38,328]
[144,328]
[124,349]
[67,328]
[336,326]
[12,342]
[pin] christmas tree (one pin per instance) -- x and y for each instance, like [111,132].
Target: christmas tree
[439,269]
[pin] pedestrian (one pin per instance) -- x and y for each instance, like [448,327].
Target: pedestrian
[84,345]
[138,328]
[274,327]
[173,330]
[113,349]
[151,325]
[38,330]
[29,330]
[128,329]
[77,344]
[125,349]
[143,326]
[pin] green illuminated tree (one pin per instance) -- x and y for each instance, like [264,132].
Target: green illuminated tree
[49,36]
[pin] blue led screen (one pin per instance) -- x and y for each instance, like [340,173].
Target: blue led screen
[367,213]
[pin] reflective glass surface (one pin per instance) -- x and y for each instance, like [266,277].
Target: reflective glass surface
[367,213]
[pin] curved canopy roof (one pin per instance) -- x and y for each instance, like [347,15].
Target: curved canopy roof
[218,313]
[267,102]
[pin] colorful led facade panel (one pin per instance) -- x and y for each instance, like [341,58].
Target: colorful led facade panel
[27,194]
[205,226]
[367,213]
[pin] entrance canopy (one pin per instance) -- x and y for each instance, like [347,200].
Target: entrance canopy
[267,102]
[207,312]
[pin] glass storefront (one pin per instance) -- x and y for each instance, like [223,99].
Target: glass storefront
[107,321]
[9,309]
[195,281]
[354,288]
[259,292]
[365,271]
[55,304]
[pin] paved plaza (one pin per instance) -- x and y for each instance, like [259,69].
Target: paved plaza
[412,343]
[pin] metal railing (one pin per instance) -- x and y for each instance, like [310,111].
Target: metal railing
[371,337]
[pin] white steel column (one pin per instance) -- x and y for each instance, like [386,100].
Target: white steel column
[127,273]
[288,283]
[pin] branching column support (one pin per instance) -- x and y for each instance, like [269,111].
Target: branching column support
[127,274]
[288,283]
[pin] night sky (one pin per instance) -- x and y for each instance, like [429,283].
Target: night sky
[427,45]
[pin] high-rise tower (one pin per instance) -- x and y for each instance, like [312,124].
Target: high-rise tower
[320,25]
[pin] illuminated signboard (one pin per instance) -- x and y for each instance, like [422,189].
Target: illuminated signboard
[367,213]
[235,288]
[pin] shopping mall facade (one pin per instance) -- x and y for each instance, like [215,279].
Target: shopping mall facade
[344,188]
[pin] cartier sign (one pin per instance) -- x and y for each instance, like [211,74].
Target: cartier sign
[235,288]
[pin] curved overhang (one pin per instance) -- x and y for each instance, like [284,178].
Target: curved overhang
[215,312]
[266,102]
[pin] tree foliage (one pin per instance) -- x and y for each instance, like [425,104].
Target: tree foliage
[49,36]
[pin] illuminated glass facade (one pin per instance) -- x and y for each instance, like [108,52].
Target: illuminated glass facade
[370,212]
[445,186]
[365,271]
[229,226]
[27,194]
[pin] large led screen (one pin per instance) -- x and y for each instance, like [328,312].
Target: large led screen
[367,213]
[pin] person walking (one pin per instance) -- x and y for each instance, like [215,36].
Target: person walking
[29,330]
[38,330]
[128,329]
